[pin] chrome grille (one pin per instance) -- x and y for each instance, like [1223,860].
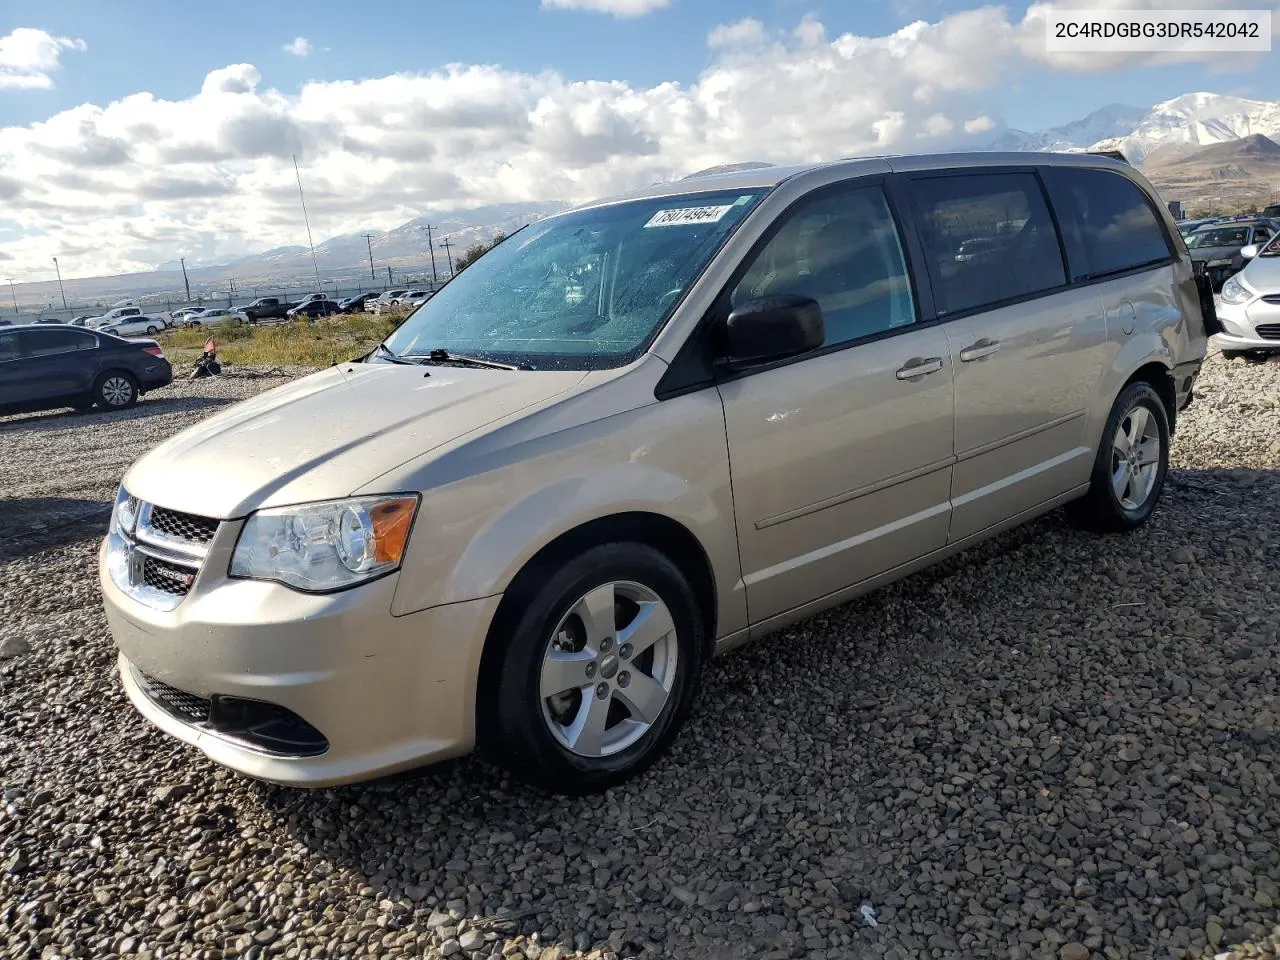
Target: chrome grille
[155,554]
[183,526]
[1268,331]
[167,577]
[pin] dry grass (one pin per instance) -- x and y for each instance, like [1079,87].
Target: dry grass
[319,344]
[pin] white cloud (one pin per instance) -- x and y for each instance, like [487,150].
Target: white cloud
[138,181]
[745,32]
[28,57]
[298,46]
[618,8]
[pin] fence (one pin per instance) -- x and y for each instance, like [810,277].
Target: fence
[242,295]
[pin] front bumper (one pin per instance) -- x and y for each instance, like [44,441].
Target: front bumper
[1249,326]
[387,693]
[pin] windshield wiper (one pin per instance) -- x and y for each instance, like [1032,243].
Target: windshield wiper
[440,355]
[392,356]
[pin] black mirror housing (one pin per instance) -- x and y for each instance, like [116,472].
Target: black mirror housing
[772,328]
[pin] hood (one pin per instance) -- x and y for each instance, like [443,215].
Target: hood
[1214,253]
[1262,274]
[328,434]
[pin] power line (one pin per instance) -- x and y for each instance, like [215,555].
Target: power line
[307,221]
[368,239]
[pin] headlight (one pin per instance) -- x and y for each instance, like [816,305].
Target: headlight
[124,513]
[318,547]
[1233,291]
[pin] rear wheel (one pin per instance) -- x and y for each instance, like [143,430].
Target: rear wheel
[1133,457]
[194,323]
[115,390]
[151,331]
[597,671]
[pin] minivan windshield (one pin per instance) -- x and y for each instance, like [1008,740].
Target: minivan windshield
[581,291]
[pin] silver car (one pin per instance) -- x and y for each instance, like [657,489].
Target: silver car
[1249,306]
[639,434]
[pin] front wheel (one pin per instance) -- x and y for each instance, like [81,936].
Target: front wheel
[115,390]
[1132,460]
[597,671]
[151,331]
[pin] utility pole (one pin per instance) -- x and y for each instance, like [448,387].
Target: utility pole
[60,290]
[390,282]
[14,294]
[446,244]
[368,239]
[432,247]
[183,261]
[307,221]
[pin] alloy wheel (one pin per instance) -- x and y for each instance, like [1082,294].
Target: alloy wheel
[608,669]
[117,391]
[1135,457]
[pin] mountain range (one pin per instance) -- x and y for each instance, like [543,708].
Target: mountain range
[1207,149]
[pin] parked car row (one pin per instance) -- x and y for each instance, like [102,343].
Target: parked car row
[1249,307]
[1218,245]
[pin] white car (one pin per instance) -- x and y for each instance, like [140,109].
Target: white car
[202,318]
[414,299]
[1249,306]
[384,301]
[143,325]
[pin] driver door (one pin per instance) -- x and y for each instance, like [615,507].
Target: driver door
[841,459]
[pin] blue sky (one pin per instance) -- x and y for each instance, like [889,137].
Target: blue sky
[167,47]
[137,131]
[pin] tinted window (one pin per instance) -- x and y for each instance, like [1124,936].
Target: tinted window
[8,346]
[1107,221]
[1261,234]
[41,343]
[843,251]
[988,237]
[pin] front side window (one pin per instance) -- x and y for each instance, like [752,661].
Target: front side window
[988,238]
[8,346]
[1261,235]
[842,250]
[1109,224]
[580,291]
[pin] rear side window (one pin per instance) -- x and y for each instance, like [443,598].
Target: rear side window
[987,237]
[42,343]
[1108,222]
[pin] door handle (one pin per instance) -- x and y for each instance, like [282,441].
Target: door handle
[919,367]
[976,351]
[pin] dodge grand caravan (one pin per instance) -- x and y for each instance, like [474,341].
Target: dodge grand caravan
[639,434]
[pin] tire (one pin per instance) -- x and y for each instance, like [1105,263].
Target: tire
[115,390]
[1116,502]
[195,324]
[585,738]
[1233,354]
[151,331]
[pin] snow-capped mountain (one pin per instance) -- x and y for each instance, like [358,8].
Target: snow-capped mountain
[1113,120]
[1195,119]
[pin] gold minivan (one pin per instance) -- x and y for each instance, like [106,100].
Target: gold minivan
[636,435]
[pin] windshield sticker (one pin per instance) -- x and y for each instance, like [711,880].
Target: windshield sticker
[683,215]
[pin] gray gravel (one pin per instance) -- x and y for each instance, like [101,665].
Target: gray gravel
[1058,745]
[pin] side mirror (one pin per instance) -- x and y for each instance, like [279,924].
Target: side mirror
[772,328]
[1249,252]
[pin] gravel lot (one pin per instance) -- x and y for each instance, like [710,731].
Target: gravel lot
[1058,745]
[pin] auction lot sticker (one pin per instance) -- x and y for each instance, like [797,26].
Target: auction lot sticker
[684,215]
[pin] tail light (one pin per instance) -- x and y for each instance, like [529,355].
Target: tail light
[155,350]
